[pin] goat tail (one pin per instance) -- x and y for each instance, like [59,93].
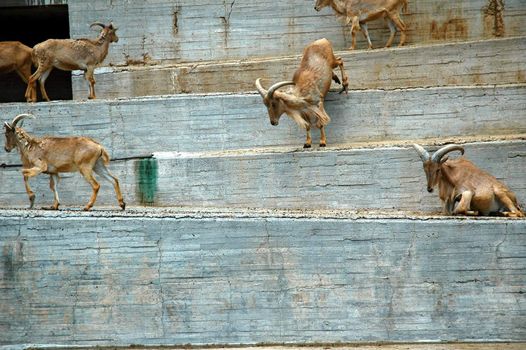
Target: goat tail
[105,156]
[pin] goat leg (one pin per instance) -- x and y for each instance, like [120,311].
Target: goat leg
[365,32]
[30,193]
[88,175]
[52,185]
[323,138]
[392,29]
[345,79]
[464,204]
[509,201]
[308,142]
[91,80]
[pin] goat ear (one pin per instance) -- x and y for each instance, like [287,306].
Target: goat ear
[7,126]
[290,99]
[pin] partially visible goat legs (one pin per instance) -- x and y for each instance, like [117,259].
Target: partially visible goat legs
[365,32]
[102,171]
[463,207]
[308,141]
[510,202]
[86,171]
[89,77]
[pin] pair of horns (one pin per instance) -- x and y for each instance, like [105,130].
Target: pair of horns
[17,119]
[268,94]
[439,154]
[103,25]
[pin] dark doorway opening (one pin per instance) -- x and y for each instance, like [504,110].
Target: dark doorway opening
[31,25]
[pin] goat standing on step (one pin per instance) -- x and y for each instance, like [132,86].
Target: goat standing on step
[70,54]
[465,189]
[303,102]
[54,155]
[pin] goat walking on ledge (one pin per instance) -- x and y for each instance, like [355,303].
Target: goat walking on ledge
[54,155]
[70,54]
[465,189]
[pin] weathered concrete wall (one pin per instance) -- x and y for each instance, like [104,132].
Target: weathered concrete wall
[488,62]
[194,123]
[196,30]
[74,279]
[373,178]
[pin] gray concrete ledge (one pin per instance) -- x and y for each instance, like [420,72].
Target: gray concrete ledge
[358,346]
[77,280]
[499,61]
[216,122]
[382,178]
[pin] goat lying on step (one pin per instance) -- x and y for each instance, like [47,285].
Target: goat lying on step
[465,189]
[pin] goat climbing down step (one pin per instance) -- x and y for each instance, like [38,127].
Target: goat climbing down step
[70,54]
[465,189]
[54,155]
[303,102]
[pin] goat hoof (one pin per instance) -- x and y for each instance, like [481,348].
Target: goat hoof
[123,205]
[52,207]
[306,145]
[86,208]
[323,144]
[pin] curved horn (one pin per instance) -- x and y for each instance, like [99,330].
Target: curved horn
[260,88]
[424,155]
[97,24]
[437,156]
[276,86]
[19,118]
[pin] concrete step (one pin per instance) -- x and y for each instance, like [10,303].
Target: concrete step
[197,30]
[499,61]
[120,278]
[212,122]
[382,176]
[357,346]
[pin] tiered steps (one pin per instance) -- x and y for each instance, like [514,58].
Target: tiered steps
[234,234]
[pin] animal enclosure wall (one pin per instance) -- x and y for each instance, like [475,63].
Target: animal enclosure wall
[115,280]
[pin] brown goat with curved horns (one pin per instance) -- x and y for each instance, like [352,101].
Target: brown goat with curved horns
[54,155]
[303,102]
[70,54]
[465,189]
